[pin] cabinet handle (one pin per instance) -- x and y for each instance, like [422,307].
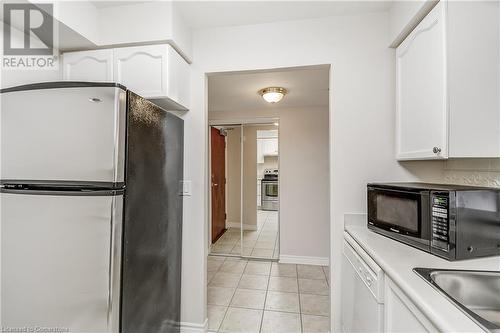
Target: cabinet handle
[369,281]
[436,150]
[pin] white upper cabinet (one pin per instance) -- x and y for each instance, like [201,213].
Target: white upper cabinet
[421,99]
[156,72]
[474,78]
[448,83]
[96,65]
[143,69]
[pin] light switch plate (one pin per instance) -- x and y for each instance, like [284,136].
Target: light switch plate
[185,187]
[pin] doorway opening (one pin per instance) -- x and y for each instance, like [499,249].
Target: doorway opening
[289,285]
[244,184]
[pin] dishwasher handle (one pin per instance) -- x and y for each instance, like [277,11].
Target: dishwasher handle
[373,279]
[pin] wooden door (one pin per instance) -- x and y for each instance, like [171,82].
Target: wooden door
[218,182]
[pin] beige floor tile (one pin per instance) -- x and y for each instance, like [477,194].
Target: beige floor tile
[315,324]
[258,268]
[215,316]
[316,287]
[226,280]
[284,284]
[284,270]
[315,304]
[233,266]
[249,242]
[267,238]
[285,302]
[310,272]
[238,320]
[216,258]
[247,251]
[219,295]
[265,244]
[268,233]
[280,322]
[258,282]
[236,249]
[214,265]
[216,248]
[210,276]
[262,253]
[326,270]
[248,298]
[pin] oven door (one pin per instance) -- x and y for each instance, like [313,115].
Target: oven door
[270,190]
[400,214]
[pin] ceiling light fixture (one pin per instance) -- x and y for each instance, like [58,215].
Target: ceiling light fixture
[273,94]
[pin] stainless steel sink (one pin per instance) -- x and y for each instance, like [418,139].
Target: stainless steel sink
[477,293]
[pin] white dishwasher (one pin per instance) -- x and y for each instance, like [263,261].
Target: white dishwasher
[362,290]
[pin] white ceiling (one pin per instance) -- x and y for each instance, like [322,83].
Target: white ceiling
[106,4]
[208,14]
[238,91]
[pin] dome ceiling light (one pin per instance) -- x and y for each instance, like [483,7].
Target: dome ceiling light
[273,94]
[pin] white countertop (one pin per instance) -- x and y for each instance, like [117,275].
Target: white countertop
[397,260]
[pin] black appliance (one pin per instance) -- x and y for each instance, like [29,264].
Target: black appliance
[451,221]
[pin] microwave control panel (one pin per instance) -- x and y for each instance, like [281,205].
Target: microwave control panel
[440,221]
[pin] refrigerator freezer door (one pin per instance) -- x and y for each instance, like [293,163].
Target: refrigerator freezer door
[72,134]
[60,261]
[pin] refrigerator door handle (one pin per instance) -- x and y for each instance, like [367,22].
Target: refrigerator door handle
[61,192]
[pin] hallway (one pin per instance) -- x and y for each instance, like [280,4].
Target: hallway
[267,297]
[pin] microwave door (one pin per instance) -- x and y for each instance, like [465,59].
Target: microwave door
[402,215]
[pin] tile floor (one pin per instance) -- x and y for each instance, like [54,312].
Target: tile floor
[266,297]
[260,243]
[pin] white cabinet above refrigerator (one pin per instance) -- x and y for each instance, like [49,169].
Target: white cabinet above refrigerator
[156,72]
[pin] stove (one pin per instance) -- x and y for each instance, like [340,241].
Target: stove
[269,188]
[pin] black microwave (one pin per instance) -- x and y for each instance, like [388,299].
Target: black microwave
[451,221]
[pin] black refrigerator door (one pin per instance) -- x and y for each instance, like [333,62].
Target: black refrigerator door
[151,276]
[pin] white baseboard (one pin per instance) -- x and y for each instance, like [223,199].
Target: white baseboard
[237,225]
[194,328]
[303,260]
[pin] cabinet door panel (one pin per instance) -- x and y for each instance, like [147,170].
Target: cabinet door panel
[401,315]
[422,111]
[474,78]
[96,66]
[143,69]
